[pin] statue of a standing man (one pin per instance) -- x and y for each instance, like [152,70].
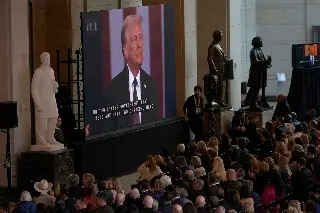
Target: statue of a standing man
[216,59]
[257,74]
[43,89]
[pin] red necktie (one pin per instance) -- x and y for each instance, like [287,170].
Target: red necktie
[135,116]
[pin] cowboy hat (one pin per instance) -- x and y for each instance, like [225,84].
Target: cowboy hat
[43,186]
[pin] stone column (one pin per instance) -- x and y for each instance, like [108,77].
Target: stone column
[21,75]
[235,41]
[190,35]
[15,78]
[5,80]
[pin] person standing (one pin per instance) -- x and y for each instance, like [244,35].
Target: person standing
[193,111]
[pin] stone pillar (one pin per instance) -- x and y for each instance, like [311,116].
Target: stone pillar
[15,78]
[190,35]
[235,41]
[21,75]
[248,32]
[5,80]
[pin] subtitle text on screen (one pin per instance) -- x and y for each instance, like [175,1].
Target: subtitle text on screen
[121,109]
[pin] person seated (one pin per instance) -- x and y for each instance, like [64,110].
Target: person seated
[281,128]
[26,204]
[311,115]
[238,124]
[295,121]
[149,169]
[58,134]
[313,132]
[288,123]
[282,108]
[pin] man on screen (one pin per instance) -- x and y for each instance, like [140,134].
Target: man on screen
[312,57]
[133,83]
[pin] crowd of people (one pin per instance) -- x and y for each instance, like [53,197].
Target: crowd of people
[250,170]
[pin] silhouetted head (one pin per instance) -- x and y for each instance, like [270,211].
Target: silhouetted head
[257,42]
[217,35]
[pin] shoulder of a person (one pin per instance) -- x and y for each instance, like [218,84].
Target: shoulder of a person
[145,76]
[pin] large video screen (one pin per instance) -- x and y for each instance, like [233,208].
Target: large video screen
[129,67]
[305,55]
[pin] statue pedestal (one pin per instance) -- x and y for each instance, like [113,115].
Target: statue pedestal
[55,167]
[46,148]
[223,118]
[262,115]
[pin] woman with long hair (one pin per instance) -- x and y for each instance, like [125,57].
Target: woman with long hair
[149,169]
[213,143]
[218,168]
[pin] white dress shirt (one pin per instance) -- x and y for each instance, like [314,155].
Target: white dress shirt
[131,87]
[312,59]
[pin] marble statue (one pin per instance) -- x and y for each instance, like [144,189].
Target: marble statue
[43,89]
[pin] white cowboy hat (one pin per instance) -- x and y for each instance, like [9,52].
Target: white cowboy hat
[43,186]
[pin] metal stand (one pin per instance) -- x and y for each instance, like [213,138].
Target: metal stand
[7,162]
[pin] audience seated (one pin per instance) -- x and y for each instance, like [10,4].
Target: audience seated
[254,170]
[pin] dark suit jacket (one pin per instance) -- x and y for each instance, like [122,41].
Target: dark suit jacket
[308,61]
[301,181]
[118,94]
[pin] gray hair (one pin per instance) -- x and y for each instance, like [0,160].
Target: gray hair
[189,174]
[200,172]
[134,193]
[220,209]
[74,179]
[247,208]
[155,205]
[165,181]
[292,210]
[181,148]
[25,196]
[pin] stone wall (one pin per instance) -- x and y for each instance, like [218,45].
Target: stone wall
[282,23]
[248,31]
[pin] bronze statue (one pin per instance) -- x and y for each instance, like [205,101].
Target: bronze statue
[257,74]
[213,82]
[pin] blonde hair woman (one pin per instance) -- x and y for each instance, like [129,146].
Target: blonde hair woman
[284,165]
[149,169]
[281,148]
[114,184]
[290,146]
[254,164]
[264,167]
[305,141]
[202,148]
[88,182]
[218,168]
[213,143]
